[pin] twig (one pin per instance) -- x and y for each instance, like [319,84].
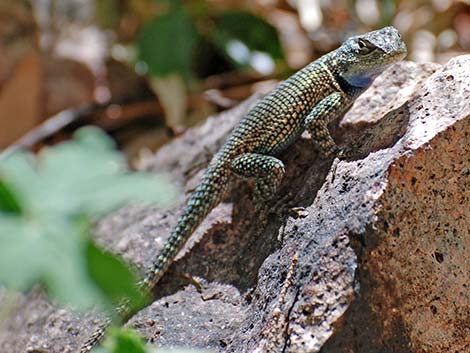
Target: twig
[49,127]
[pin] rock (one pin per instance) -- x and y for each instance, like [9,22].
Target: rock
[413,260]
[377,260]
[172,321]
[32,324]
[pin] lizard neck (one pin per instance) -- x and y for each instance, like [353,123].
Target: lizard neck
[355,87]
[351,85]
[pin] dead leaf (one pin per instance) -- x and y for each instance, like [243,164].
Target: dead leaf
[20,100]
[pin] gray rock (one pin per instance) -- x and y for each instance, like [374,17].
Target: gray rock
[377,262]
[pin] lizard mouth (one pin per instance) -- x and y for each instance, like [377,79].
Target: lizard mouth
[400,53]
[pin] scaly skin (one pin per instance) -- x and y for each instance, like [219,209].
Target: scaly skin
[310,99]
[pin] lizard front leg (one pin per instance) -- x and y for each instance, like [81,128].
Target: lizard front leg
[318,119]
[267,170]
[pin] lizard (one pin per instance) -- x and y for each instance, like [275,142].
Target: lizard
[311,99]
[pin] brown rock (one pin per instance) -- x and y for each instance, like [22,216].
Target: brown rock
[413,264]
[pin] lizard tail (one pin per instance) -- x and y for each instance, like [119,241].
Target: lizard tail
[206,196]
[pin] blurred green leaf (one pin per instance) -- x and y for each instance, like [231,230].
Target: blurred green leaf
[113,277]
[120,340]
[252,31]
[59,194]
[49,250]
[8,202]
[128,341]
[83,176]
[166,43]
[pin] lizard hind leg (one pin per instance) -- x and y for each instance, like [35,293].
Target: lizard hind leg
[266,170]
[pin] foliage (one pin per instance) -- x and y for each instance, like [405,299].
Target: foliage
[168,43]
[119,340]
[47,205]
[252,31]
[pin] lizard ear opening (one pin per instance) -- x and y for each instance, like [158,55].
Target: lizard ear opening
[365,47]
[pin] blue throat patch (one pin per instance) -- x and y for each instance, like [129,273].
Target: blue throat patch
[360,80]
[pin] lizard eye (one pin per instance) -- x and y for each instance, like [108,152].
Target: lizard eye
[365,47]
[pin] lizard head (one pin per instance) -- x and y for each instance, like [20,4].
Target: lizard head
[366,56]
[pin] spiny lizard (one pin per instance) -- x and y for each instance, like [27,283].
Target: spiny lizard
[309,100]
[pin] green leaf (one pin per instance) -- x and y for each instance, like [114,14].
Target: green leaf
[50,251]
[8,201]
[128,341]
[82,176]
[18,173]
[92,137]
[120,340]
[113,277]
[252,31]
[166,43]
[59,194]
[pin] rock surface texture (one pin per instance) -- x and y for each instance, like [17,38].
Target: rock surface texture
[379,260]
